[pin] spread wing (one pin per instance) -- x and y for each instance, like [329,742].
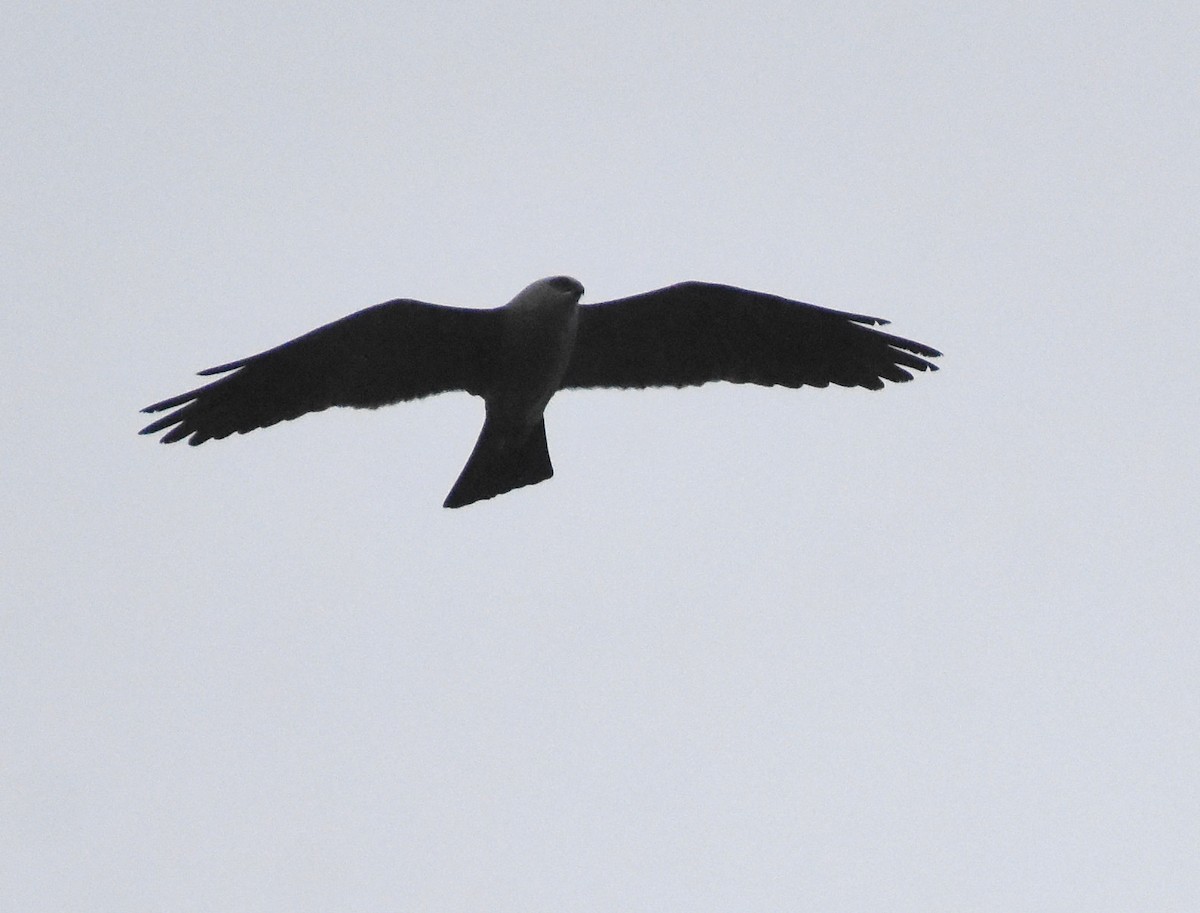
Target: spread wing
[396,351]
[697,332]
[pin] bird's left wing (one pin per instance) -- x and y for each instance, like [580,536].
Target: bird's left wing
[396,351]
[696,332]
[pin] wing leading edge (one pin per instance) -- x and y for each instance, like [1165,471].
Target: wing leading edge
[396,351]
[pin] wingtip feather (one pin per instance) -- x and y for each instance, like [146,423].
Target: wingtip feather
[221,369]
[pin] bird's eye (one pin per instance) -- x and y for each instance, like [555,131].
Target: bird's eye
[565,284]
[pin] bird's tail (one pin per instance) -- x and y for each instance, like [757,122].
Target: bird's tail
[501,461]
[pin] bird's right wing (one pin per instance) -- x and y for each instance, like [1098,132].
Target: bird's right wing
[396,351]
[696,332]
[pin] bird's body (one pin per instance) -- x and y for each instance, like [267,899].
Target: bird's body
[518,356]
[536,338]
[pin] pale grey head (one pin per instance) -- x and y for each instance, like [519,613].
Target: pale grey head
[548,291]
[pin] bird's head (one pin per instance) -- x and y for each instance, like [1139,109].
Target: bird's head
[554,291]
[564,285]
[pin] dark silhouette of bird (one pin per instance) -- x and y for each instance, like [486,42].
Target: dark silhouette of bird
[516,357]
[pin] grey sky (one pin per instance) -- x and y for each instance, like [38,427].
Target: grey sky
[932,648]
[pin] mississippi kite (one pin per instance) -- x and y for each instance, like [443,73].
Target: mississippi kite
[518,356]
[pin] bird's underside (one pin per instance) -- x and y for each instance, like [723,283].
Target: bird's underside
[517,356]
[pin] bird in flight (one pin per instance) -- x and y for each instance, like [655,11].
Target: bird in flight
[516,357]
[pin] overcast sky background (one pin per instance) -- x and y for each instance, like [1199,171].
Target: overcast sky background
[933,648]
